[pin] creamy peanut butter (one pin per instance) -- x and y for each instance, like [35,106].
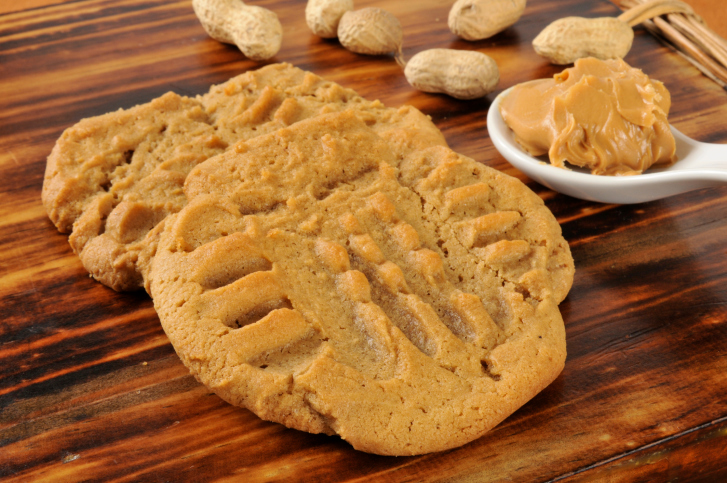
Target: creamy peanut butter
[601,115]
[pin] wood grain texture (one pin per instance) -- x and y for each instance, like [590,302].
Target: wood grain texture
[90,388]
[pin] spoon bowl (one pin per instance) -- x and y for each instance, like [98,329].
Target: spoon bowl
[699,165]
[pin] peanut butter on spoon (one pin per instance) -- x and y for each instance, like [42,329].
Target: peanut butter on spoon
[602,115]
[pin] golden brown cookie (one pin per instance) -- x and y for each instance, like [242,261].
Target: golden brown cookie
[111,180]
[327,282]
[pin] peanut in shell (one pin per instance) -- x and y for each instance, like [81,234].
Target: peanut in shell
[462,74]
[571,38]
[481,19]
[370,31]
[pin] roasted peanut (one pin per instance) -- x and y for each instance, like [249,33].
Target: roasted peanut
[323,16]
[463,74]
[481,19]
[370,31]
[255,30]
[568,39]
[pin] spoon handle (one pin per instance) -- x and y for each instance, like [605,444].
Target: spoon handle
[694,155]
[712,156]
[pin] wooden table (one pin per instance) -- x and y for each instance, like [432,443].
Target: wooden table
[91,389]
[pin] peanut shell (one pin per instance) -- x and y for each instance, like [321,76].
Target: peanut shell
[370,31]
[323,16]
[463,74]
[571,38]
[481,19]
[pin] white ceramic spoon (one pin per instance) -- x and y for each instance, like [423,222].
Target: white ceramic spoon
[700,165]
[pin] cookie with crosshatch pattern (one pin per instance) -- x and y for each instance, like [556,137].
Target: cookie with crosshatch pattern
[112,180]
[406,303]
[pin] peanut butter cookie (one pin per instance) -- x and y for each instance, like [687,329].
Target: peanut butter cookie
[326,279]
[112,180]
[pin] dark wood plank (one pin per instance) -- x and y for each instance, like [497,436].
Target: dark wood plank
[692,453]
[91,389]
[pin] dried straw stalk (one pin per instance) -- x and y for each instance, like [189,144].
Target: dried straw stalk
[675,23]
